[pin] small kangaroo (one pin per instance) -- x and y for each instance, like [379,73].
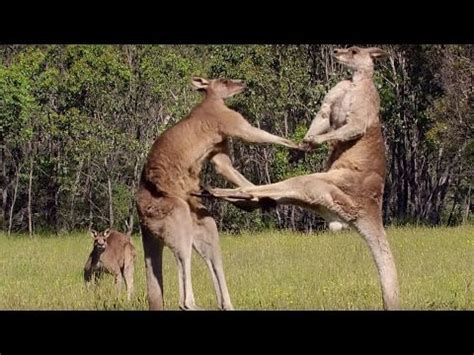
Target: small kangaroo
[113,253]
[170,213]
[351,190]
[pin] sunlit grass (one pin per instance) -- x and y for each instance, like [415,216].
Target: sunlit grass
[271,270]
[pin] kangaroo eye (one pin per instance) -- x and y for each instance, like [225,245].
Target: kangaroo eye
[354,51]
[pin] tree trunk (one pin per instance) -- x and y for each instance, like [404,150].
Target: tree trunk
[267,171]
[73,193]
[30,184]
[110,194]
[89,193]
[17,181]
[453,208]
[136,176]
[468,206]
[52,194]
[4,182]
[293,224]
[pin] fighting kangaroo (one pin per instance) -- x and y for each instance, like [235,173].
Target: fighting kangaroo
[169,214]
[351,190]
[113,253]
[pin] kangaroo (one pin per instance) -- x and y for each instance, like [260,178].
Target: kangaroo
[170,214]
[113,253]
[351,190]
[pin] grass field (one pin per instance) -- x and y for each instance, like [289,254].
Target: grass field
[271,270]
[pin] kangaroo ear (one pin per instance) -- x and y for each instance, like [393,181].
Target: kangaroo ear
[107,233]
[93,233]
[377,52]
[200,83]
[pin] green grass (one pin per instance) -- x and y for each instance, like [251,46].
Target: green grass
[271,270]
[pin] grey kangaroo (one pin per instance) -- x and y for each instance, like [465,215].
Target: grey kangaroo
[112,253]
[351,190]
[170,215]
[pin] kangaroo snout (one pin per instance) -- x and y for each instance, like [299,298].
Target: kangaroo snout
[241,83]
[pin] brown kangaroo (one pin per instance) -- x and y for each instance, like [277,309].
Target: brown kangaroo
[169,213]
[351,191]
[113,253]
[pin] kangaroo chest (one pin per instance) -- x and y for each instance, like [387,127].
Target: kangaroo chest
[341,108]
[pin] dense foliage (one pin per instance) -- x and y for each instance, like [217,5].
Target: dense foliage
[76,123]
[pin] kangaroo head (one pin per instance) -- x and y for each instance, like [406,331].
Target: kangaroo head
[220,88]
[100,239]
[358,58]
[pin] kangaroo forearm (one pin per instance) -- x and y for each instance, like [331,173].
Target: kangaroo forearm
[345,133]
[236,178]
[320,125]
[252,134]
[223,165]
